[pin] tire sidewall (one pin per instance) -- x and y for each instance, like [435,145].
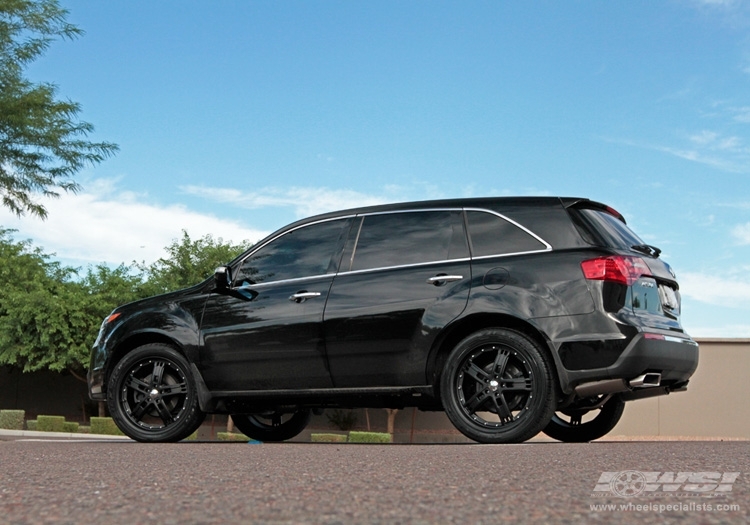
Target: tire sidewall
[541,407]
[187,423]
[607,418]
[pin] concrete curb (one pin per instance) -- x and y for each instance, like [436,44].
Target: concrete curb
[15,435]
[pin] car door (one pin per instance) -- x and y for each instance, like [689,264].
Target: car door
[403,277]
[265,332]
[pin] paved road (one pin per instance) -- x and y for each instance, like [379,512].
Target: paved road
[127,482]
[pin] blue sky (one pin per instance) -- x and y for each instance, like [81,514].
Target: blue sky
[236,117]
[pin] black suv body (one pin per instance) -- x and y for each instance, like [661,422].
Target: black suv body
[514,315]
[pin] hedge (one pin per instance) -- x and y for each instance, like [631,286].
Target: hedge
[50,423]
[369,437]
[231,436]
[12,419]
[71,426]
[328,438]
[105,426]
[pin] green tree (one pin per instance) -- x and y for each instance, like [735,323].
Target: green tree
[49,317]
[42,143]
[189,262]
[50,314]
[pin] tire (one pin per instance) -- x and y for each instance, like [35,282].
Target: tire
[272,426]
[497,386]
[152,395]
[568,425]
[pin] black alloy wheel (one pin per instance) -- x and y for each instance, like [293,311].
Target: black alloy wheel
[578,424]
[497,387]
[152,395]
[273,425]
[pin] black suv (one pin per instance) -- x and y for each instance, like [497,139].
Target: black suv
[513,315]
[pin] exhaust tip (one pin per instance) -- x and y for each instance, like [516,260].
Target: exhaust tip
[648,380]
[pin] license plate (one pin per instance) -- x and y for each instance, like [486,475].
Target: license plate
[669,298]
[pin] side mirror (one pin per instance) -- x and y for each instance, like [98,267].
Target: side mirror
[223,277]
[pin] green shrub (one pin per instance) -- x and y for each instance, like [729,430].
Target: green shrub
[369,437]
[82,429]
[12,419]
[31,424]
[328,438]
[105,426]
[50,423]
[70,426]
[231,436]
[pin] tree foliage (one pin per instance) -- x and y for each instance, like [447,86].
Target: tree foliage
[189,262]
[42,143]
[50,314]
[48,318]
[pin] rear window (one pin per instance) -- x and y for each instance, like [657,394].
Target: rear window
[598,227]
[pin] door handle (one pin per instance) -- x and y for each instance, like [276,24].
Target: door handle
[303,296]
[440,280]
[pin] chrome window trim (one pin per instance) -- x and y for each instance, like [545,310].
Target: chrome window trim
[286,281]
[547,246]
[401,266]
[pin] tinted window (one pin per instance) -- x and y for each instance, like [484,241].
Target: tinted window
[398,239]
[493,235]
[303,252]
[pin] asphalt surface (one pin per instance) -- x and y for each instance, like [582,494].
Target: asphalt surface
[126,482]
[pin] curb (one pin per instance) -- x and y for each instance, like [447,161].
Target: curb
[17,435]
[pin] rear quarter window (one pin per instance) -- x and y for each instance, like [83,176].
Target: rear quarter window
[491,234]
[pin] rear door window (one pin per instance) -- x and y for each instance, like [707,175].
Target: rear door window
[407,238]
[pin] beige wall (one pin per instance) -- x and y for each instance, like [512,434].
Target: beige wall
[716,404]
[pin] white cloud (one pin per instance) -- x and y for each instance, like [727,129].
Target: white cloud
[741,232]
[104,224]
[727,153]
[306,201]
[743,114]
[723,290]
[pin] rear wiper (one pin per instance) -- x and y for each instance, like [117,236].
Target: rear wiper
[647,249]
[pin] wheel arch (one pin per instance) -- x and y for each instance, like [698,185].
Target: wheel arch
[465,326]
[134,341]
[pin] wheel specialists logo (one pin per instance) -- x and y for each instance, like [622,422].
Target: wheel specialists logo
[632,483]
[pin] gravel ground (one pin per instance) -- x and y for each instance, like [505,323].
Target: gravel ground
[127,482]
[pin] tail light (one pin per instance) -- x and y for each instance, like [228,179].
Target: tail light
[615,268]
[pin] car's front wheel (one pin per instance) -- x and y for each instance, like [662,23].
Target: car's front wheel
[497,386]
[272,425]
[578,424]
[152,395]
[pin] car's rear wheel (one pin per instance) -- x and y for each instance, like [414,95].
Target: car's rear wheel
[272,425]
[152,395]
[578,424]
[497,386]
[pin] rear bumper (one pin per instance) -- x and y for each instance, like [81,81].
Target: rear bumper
[675,357]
